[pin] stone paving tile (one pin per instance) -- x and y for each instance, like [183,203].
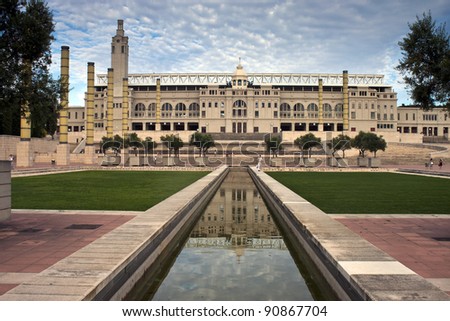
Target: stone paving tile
[30,243]
[411,241]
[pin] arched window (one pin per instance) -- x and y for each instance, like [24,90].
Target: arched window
[285,110]
[313,110]
[239,108]
[139,110]
[152,110]
[180,110]
[166,110]
[327,111]
[338,111]
[299,110]
[194,110]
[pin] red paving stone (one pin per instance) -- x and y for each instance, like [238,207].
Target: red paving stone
[30,243]
[412,241]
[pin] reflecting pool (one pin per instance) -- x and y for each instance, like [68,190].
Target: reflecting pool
[234,252]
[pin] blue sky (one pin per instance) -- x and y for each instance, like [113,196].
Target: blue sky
[302,36]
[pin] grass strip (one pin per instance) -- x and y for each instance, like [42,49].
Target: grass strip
[374,193]
[99,190]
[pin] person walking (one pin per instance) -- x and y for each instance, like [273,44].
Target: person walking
[441,162]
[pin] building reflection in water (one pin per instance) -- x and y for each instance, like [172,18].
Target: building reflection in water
[234,252]
[236,218]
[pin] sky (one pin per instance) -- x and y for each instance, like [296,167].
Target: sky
[291,36]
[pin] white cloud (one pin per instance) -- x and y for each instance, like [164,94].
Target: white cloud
[270,36]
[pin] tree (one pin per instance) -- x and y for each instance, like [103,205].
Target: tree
[202,141]
[149,144]
[115,144]
[173,143]
[273,143]
[25,38]
[341,142]
[307,142]
[375,143]
[425,64]
[368,141]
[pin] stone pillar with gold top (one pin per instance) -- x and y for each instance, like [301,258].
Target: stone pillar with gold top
[158,104]
[320,105]
[89,149]
[345,107]
[24,155]
[63,149]
[125,108]
[109,108]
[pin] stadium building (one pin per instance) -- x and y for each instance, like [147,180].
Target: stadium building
[232,106]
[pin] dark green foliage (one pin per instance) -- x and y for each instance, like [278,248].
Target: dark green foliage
[425,64]
[340,143]
[173,143]
[25,39]
[273,143]
[381,193]
[368,141]
[307,142]
[99,190]
[132,140]
[202,141]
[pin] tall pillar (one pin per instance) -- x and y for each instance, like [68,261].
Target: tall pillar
[109,109]
[158,104]
[64,95]
[89,149]
[90,105]
[125,108]
[24,158]
[25,123]
[345,90]
[320,105]
[63,149]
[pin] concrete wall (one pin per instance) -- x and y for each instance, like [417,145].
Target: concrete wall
[5,190]
[38,145]
[8,146]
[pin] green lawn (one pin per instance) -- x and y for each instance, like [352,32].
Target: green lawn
[99,190]
[383,193]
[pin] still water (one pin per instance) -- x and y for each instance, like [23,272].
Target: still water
[234,252]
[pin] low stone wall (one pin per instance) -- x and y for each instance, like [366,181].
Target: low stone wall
[5,190]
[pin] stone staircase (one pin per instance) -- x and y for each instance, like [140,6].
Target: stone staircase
[238,136]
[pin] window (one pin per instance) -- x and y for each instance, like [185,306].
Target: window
[312,110]
[285,110]
[327,111]
[194,110]
[299,110]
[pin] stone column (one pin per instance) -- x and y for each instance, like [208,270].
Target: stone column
[125,108]
[89,149]
[109,109]
[24,155]
[320,105]
[345,107]
[63,149]
[5,190]
[158,104]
